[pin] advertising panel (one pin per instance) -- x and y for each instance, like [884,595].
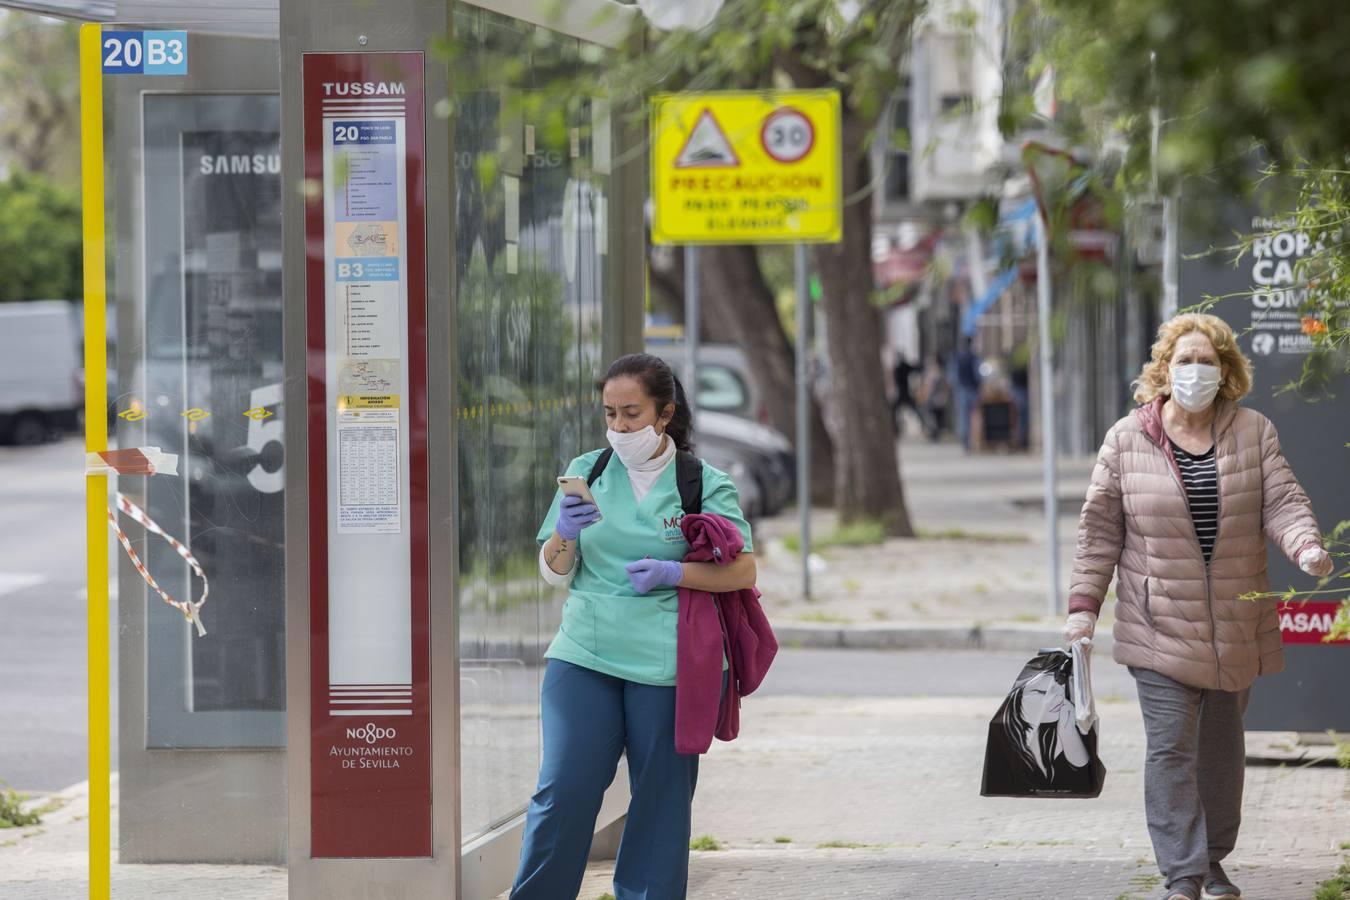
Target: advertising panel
[1263,300]
[212,395]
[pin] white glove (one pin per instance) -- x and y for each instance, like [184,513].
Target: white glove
[1079,625]
[1316,562]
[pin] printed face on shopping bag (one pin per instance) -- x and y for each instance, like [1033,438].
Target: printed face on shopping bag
[1035,747]
[1043,699]
[1039,729]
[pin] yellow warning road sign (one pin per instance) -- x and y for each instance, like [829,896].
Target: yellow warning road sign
[732,167]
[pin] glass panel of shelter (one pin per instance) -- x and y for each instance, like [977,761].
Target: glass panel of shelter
[193,191]
[530,310]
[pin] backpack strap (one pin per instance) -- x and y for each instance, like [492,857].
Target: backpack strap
[599,465]
[688,477]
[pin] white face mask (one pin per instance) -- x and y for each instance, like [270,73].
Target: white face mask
[635,447]
[1194,386]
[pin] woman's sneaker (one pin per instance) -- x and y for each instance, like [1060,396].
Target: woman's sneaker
[1183,889]
[1218,886]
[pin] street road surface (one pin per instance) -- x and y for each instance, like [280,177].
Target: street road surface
[42,617]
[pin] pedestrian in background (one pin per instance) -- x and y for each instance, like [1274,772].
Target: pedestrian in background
[966,368]
[904,395]
[1019,385]
[609,686]
[936,393]
[1184,494]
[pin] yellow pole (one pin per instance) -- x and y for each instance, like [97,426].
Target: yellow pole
[96,439]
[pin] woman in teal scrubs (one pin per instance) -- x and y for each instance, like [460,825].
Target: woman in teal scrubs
[609,685]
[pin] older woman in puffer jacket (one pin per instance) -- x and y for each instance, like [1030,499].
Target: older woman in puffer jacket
[1185,491]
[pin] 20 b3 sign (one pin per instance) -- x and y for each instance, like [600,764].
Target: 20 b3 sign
[145,52]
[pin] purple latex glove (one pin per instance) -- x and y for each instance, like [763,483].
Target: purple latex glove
[575,514]
[648,574]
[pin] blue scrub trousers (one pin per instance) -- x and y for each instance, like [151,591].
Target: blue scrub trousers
[589,719]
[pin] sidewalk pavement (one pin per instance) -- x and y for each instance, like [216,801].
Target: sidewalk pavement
[879,798]
[828,797]
[51,862]
[977,575]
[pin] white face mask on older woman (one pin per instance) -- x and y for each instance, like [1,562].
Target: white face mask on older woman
[1194,386]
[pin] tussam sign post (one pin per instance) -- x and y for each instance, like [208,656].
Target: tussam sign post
[750,167]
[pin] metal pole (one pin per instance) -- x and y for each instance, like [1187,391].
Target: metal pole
[1048,443]
[804,413]
[96,439]
[1169,272]
[691,302]
[1155,125]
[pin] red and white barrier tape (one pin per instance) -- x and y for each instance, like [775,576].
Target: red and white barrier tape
[132,461]
[191,611]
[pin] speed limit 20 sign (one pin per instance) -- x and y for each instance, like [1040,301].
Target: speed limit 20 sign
[746,167]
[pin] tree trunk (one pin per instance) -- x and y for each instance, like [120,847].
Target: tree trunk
[738,307]
[867,473]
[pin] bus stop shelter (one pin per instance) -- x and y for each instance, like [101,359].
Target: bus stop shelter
[364,265]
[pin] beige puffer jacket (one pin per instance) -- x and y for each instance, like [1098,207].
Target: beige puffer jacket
[1174,614]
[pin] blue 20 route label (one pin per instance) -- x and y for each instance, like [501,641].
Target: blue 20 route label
[145,53]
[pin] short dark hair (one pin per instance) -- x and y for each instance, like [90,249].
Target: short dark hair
[659,383]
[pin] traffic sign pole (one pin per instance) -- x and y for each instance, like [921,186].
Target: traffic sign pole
[691,325]
[1049,450]
[804,415]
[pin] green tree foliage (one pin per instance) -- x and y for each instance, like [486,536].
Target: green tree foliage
[1224,74]
[40,96]
[1226,80]
[40,245]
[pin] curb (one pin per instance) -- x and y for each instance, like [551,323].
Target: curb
[879,636]
[977,636]
[1277,748]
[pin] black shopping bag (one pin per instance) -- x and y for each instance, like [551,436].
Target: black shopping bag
[1036,746]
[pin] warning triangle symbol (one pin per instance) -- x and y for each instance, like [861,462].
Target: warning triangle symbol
[707,147]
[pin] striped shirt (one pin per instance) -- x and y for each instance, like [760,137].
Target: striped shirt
[1201,478]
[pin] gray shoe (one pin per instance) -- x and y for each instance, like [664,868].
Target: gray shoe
[1218,886]
[1183,889]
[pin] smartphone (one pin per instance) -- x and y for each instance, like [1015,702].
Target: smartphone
[576,486]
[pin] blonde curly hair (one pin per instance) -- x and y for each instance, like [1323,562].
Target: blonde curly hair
[1155,381]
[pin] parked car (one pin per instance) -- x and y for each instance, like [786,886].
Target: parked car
[40,394]
[738,468]
[726,383]
[731,419]
[765,450]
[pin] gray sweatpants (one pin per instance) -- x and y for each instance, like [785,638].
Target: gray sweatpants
[1192,773]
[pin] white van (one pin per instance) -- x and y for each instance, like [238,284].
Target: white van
[39,371]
